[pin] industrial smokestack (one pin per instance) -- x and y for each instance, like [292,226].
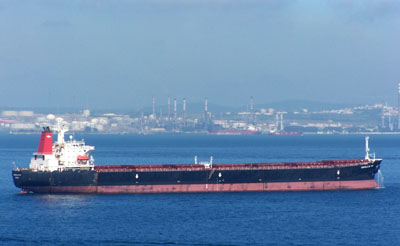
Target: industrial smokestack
[175,109]
[251,104]
[251,109]
[184,108]
[154,107]
[169,108]
[383,119]
[398,108]
[206,110]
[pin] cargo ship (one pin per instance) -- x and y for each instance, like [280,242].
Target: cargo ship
[68,167]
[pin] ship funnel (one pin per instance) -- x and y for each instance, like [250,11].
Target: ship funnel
[46,142]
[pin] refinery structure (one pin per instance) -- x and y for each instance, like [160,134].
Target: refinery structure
[179,116]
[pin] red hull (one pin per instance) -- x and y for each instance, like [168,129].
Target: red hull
[193,188]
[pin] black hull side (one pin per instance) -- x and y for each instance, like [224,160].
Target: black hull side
[28,178]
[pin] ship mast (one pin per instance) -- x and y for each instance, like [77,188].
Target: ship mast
[366,148]
[60,134]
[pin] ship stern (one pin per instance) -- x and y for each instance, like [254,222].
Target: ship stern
[17,177]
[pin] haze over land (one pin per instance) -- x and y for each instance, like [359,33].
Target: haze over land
[118,54]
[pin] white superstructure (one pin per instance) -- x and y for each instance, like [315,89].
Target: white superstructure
[61,154]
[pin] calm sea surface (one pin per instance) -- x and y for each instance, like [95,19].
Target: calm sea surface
[369,217]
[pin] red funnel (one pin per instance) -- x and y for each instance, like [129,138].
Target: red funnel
[46,142]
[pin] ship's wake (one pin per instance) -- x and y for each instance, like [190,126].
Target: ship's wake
[380,179]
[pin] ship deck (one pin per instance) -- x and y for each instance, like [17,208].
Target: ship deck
[242,166]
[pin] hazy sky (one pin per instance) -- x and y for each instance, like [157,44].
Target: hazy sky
[118,54]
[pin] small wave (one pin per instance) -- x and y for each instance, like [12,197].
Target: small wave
[24,241]
[128,242]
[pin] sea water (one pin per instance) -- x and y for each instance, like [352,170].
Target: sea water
[366,217]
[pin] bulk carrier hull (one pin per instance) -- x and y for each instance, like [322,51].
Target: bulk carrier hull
[298,176]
